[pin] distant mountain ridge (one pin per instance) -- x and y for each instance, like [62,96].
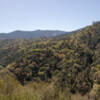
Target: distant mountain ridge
[31,34]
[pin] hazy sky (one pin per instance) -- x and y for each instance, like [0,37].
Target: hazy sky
[47,14]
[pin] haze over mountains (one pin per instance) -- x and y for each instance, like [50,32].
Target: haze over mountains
[31,34]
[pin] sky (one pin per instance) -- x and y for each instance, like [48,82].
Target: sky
[31,15]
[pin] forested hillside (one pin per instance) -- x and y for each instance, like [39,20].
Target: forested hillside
[66,67]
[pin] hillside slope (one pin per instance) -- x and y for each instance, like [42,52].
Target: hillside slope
[68,62]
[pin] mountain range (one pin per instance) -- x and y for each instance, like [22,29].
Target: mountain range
[31,34]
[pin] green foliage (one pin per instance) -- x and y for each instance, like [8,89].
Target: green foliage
[69,62]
